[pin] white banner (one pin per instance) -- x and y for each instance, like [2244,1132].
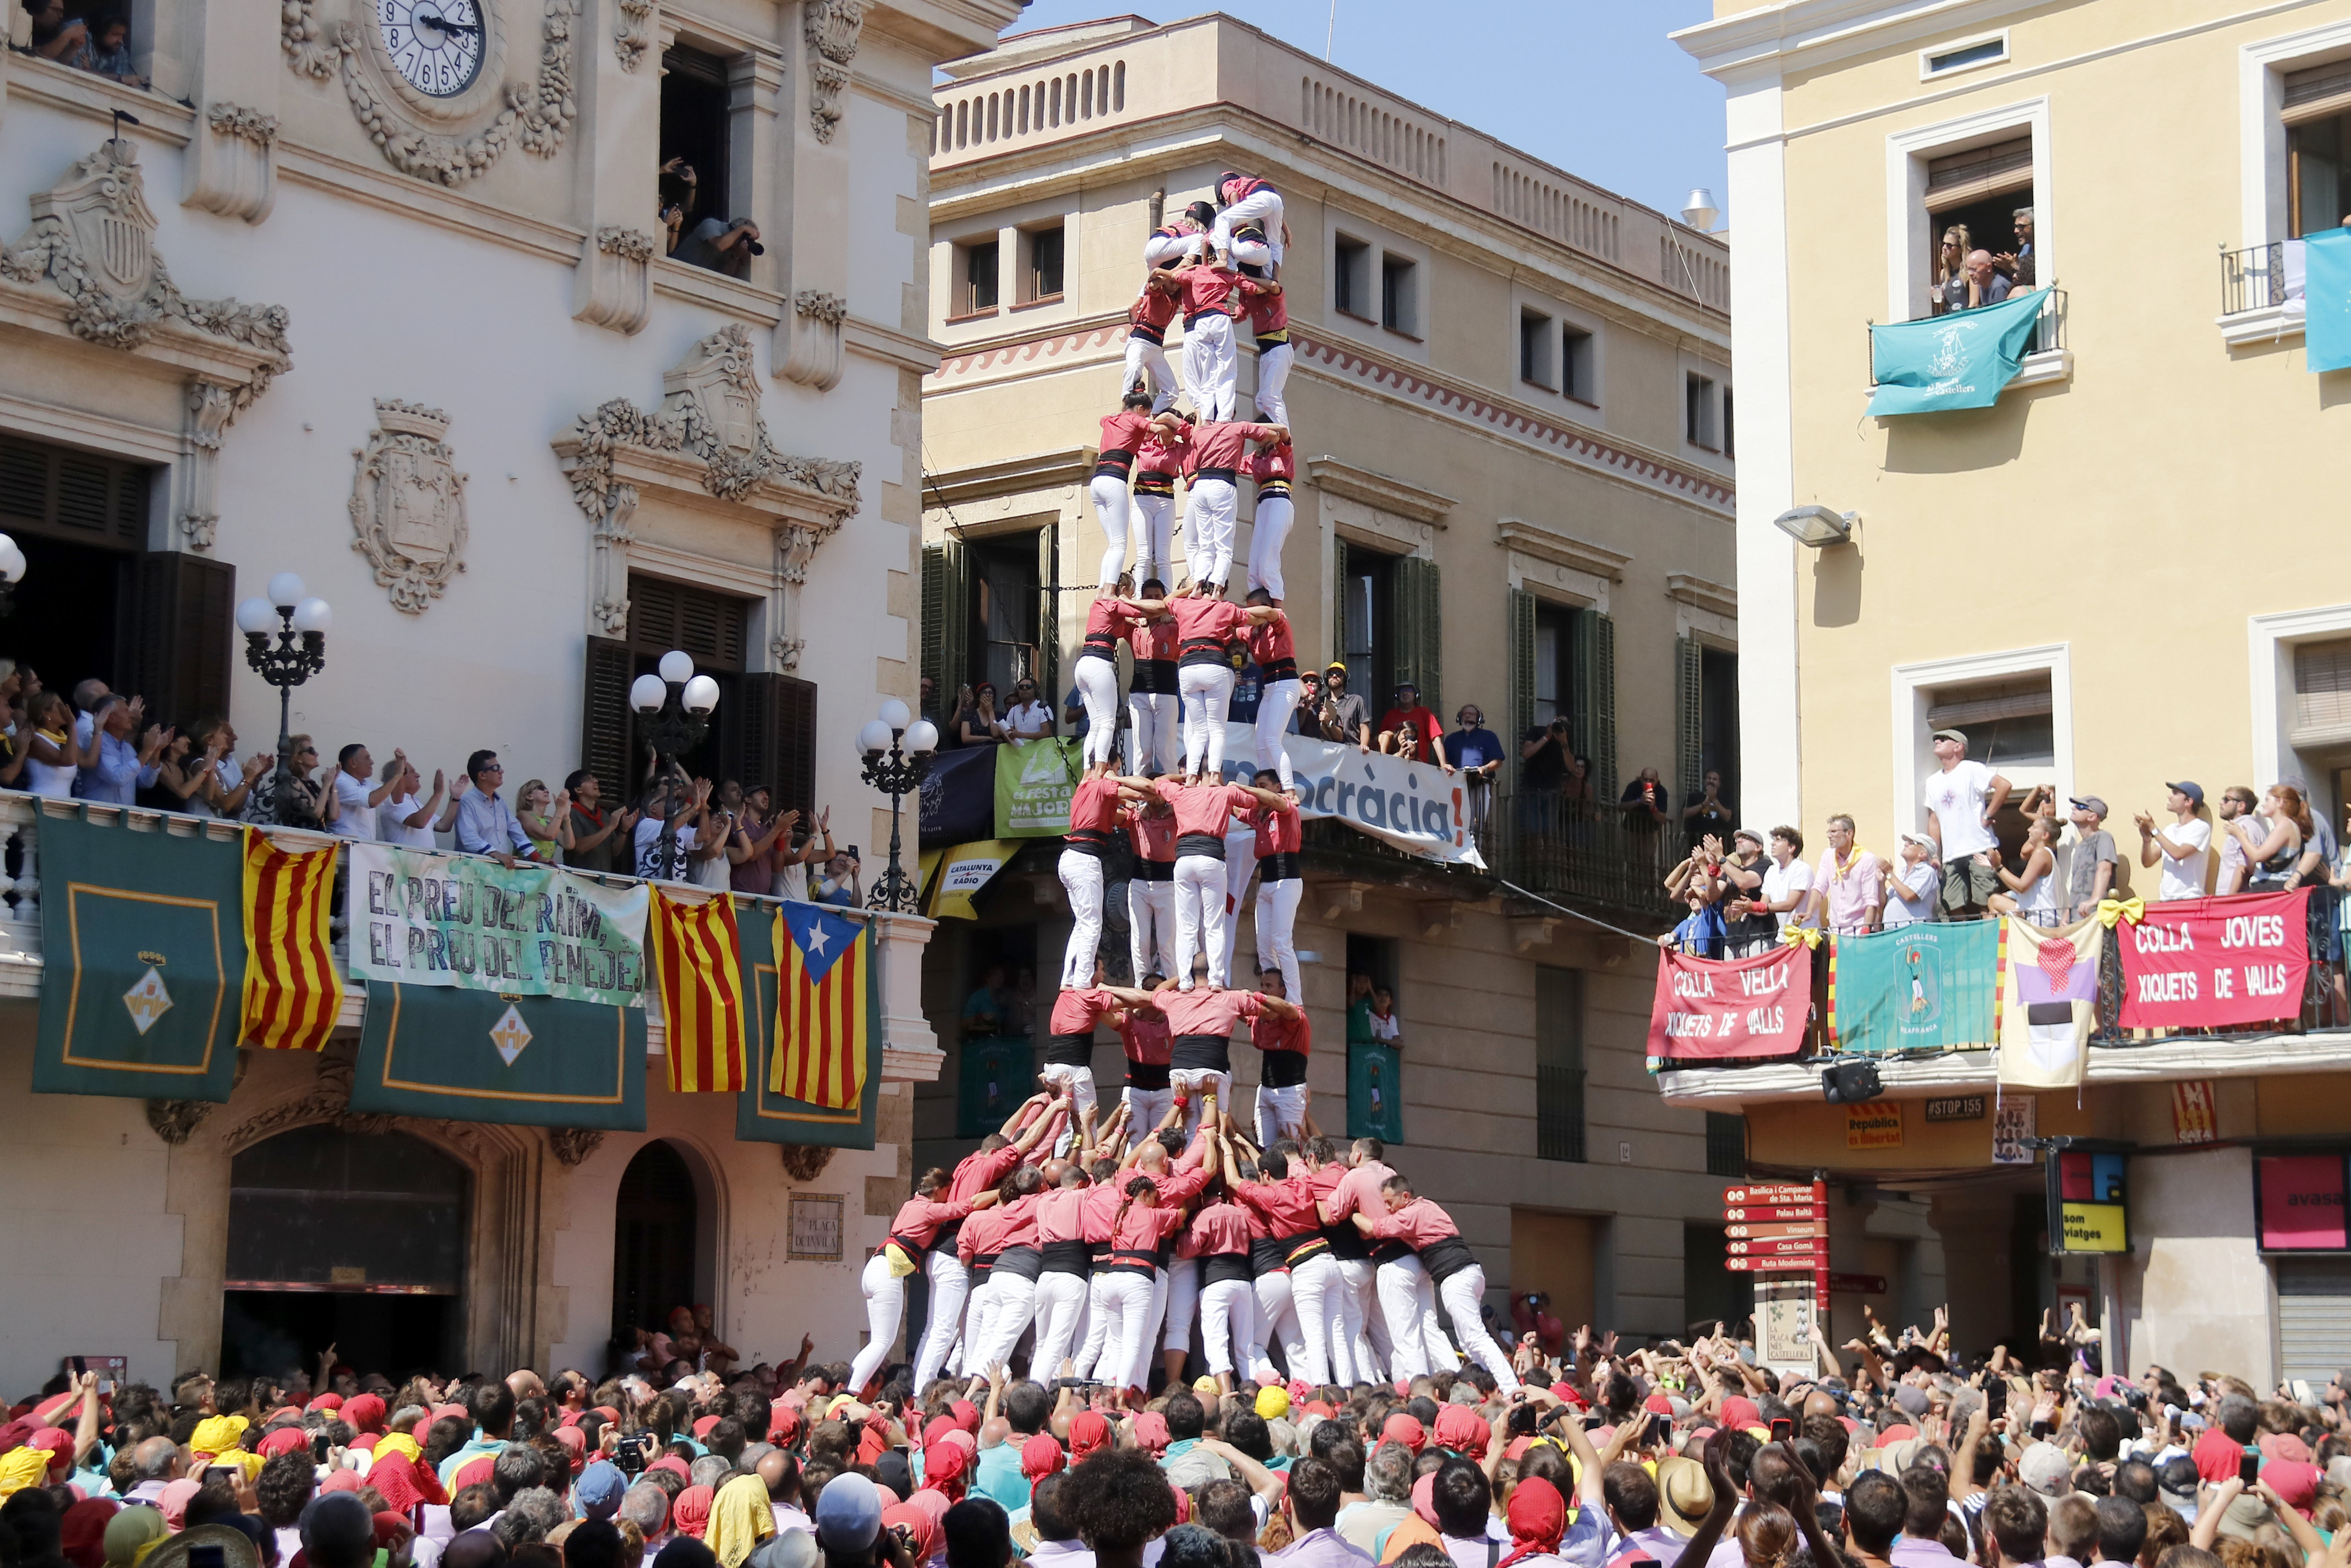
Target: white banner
[423,919]
[1415,806]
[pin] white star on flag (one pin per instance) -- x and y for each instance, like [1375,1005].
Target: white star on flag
[817,937]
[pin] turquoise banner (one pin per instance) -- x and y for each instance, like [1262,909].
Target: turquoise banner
[1924,987]
[765,1116]
[2326,294]
[1375,1093]
[142,950]
[1959,361]
[477,1056]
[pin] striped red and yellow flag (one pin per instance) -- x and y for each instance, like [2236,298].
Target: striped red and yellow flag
[824,972]
[701,993]
[293,991]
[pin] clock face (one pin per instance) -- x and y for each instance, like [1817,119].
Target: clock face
[436,44]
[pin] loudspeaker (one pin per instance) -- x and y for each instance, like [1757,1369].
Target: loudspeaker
[1851,1082]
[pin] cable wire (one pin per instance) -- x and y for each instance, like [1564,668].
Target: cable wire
[1572,914]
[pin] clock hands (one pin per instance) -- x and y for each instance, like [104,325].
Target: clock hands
[446,25]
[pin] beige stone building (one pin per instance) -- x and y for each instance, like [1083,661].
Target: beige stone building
[2070,576]
[1513,406]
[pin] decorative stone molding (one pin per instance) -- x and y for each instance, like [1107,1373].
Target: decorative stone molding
[537,114]
[232,163]
[573,1144]
[93,241]
[408,504]
[329,1099]
[612,285]
[833,29]
[636,32]
[809,348]
[175,1120]
[706,439]
[196,511]
[805,1162]
[246,124]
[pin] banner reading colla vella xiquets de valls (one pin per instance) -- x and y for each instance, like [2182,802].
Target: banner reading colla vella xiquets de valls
[419,918]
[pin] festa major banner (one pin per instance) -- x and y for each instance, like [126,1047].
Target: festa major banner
[1959,361]
[421,918]
[1712,1008]
[2215,963]
[1923,987]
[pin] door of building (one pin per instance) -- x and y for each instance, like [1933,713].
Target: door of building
[655,1223]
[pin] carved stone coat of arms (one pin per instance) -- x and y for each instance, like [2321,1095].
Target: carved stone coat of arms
[408,505]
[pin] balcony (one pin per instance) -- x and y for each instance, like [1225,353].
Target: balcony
[2261,294]
[1581,851]
[2048,361]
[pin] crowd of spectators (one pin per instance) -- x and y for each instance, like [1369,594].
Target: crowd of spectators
[1968,278]
[1896,1453]
[100,45]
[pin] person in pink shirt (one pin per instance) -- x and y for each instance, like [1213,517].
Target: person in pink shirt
[1406,1300]
[998,1155]
[1274,468]
[1142,1036]
[1852,882]
[1461,1279]
[1202,811]
[1147,320]
[1269,315]
[913,1231]
[1212,294]
[1280,831]
[1205,627]
[1212,503]
[1152,702]
[1158,462]
[1151,888]
[1200,1024]
[1181,238]
[1069,1058]
[1093,822]
[1122,433]
[1221,1235]
[1284,1043]
[1000,1249]
[1246,202]
[1148,1218]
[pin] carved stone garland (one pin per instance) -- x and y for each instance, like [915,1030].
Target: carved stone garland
[612,286]
[805,1162]
[710,414]
[537,114]
[833,29]
[408,504]
[634,36]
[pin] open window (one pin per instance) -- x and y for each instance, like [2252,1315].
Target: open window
[1400,294]
[991,613]
[1979,198]
[1536,351]
[696,135]
[2317,117]
[1579,372]
[2011,726]
[976,284]
[1367,613]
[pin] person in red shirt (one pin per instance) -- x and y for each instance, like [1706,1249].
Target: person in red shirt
[1093,820]
[1274,468]
[1122,434]
[1219,1235]
[1281,879]
[1096,676]
[1287,1204]
[1268,314]
[1247,202]
[1146,337]
[1149,1217]
[1200,1022]
[1158,462]
[1153,705]
[1148,1047]
[1181,238]
[1202,811]
[1427,727]
[998,1155]
[1205,626]
[1461,1279]
[912,1232]
[1283,1041]
[1068,1065]
[1151,888]
[1000,1247]
[1212,505]
[1280,689]
[1212,293]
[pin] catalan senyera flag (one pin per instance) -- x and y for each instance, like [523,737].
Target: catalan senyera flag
[293,991]
[824,968]
[701,993]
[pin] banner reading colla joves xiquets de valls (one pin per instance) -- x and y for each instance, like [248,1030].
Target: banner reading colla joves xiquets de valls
[425,919]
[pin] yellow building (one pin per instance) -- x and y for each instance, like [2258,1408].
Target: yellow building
[2114,577]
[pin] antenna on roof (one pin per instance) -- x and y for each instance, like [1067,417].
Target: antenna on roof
[1330,32]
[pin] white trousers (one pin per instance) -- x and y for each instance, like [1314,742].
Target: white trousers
[1276,919]
[1210,507]
[1266,534]
[1229,1330]
[1096,1338]
[1367,1334]
[1151,927]
[1211,371]
[1196,1084]
[1277,1321]
[1082,878]
[1167,250]
[1183,1305]
[1097,681]
[1281,1113]
[1275,704]
[1012,1302]
[1154,542]
[1241,865]
[950,1287]
[1145,357]
[1408,1305]
[1151,742]
[1199,916]
[1126,1307]
[1272,379]
[885,1308]
[1111,509]
[1463,1295]
[1258,209]
[1207,694]
[1146,1108]
[1060,1323]
[1314,1286]
[1077,1082]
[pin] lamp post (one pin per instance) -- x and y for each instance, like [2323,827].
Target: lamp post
[896,758]
[300,623]
[672,716]
[12,572]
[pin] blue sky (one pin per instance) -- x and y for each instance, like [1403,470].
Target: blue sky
[1592,86]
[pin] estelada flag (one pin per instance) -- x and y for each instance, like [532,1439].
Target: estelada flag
[293,991]
[701,993]
[824,965]
[2048,1002]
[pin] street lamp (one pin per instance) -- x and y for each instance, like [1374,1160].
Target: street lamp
[300,623]
[12,572]
[672,714]
[896,758]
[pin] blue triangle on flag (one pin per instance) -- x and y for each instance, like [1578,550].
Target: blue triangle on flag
[821,936]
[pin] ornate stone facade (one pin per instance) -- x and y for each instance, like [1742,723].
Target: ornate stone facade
[833,29]
[408,504]
[612,286]
[635,33]
[811,337]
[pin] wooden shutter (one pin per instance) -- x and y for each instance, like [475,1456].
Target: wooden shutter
[606,747]
[1689,719]
[1419,629]
[1595,699]
[714,628]
[186,624]
[1983,172]
[934,616]
[1339,599]
[60,492]
[946,625]
[774,739]
[1049,617]
[1520,630]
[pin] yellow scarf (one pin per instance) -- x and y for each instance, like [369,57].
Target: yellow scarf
[399,1443]
[22,1467]
[740,1518]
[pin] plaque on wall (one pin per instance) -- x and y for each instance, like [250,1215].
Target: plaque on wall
[815,1225]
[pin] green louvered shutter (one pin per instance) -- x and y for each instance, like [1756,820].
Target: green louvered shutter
[935,620]
[947,624]
[1689,718]
[1049,617]
[1522,667]
[1419,629]
[1595,699]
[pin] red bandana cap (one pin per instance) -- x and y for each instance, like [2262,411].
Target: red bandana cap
[1739,1413]
[1657,1405]
[944,1464]
[365,1412]
[1089,1433]
[1151,1432]
[702,1427]
[966,1416]
[326,1402]
[1458,1429]
[1040,1457]
[58,1442]
[283,1441]
[940,1426]
[784,1425]
[1403,1428]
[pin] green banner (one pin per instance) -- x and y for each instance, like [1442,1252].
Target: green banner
[763,1117]
[475,1056]
[1375,1093]
[428,919]
[993,1074]
[1959,361]
[1034,781]
[143,950]
[1922,987]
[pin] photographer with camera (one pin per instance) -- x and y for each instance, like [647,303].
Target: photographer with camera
[722,245]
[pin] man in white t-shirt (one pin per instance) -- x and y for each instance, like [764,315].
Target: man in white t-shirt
[1910,885]
[357,795]
[1963,798]
[2183,847]
[1028,719]
[2237,800]
[1788,882]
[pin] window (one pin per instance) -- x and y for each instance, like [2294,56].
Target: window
[695,134]
[1041,279]
[1727,449]
[2322,692]
[1725,1145]
[1367,624]
[1398,309]
[2011,726]
[1699,412]
[1559,1063]
[1555,661]
[1981,198]
[1535,349]
[1718,720]
[1351,278]
[1963,56]
[976,278]
[1578,376]
[2317,113]
[1003,621]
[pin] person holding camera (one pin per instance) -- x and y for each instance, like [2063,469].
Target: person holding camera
[675,207]
[722,245]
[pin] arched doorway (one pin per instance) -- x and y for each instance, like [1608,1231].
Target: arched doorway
[656,1230]
[353,1239]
